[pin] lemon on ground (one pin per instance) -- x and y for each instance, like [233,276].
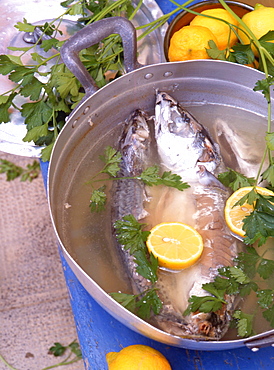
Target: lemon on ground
[176,245]
[189,43]
[137,357]
[234,215]
[259,21]
[221,30]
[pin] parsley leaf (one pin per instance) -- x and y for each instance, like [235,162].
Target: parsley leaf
[98,200]
[203,304]
[36,113]
[239,275]
[4,108]
[141,304]
[269,315]
[259,225]
[214,52]
[243,54]
[149,302]
[173,180]
[24,26]
[270,140]
[235,180]
[130,233]
[32,89]
[147,265]
[244,323]
[268,174]
[126,300]
[7,64]
[264,86]
[112,159]
[150,177]
[57,349]
[265,298]
[251,263]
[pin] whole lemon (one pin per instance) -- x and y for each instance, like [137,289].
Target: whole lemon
[137,357]
[259,21]
[190,42]
[221,30]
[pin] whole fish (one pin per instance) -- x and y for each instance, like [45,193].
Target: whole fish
[128,197]
[186,148]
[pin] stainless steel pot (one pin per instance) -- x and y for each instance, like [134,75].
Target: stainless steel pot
[202,83]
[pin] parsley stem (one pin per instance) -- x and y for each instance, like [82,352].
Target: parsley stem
[106,10]
[63,363]
[162,20]
[261,166]
[136,10]
[6,363]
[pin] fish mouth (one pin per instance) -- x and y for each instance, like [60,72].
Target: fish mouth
[136,133]
[198,325]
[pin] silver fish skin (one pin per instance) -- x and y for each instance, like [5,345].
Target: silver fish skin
[183,143]
[128,197]
[186,148]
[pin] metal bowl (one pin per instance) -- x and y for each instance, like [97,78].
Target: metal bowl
[184,17]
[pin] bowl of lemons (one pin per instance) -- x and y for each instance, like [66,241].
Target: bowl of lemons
[201,26]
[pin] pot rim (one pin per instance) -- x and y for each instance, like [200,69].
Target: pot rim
[73,123]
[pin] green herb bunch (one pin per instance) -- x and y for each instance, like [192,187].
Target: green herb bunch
[50,90]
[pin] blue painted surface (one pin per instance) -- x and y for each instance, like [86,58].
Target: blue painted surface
[100,333]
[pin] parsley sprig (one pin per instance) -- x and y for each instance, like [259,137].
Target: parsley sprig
[72,351]
[150,177]
[251,273]
[132,236]
[12,171]
[259,224]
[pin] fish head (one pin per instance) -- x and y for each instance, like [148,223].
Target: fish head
[182,142]
[210,325]
[135,141]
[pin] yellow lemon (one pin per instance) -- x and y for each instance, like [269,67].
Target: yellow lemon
[189,43]
[234,215]
[137,357]
[221,30]
[259,21]
[176,245]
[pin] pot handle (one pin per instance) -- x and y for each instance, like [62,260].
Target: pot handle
[92,34]
[260,341]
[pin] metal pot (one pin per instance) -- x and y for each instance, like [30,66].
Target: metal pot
[200,83]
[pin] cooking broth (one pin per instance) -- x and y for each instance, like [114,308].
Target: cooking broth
[88,236]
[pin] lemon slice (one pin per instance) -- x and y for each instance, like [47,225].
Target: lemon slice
[176,245]
[234,215]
